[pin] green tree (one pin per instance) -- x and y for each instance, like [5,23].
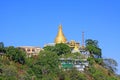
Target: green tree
[49,48]
[62,49]
[9,72]
[93,48]
[76,75]
[47,64]
[2,49]
[15,54]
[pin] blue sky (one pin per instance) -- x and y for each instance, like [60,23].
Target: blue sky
[35,22]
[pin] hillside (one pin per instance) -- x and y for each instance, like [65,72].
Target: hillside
[14,65]
[10,70]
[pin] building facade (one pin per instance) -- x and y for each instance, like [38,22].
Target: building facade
[30,50]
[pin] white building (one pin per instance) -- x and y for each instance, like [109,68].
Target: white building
[30,50]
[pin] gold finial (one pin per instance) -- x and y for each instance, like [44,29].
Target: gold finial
[60,38]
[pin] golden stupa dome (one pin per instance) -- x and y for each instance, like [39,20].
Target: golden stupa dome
[60,38]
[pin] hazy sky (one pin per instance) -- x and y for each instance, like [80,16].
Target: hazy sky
[35,22]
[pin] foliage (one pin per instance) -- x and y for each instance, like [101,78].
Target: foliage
[99,61]
[60,48]
[2,49]
[73,56]
[9,72]
[47,64]
[91,60]
[110,64]
[93,48]
[15,54]
[72,74]
[49,48]
[98,72]
[76,75]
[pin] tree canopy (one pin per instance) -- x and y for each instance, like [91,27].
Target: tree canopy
[59,49]
[93,48]
[2,49]
[15,54]
[46,65]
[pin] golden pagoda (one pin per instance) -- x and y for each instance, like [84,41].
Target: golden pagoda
[60,38]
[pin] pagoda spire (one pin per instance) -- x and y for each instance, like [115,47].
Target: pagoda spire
[60,38]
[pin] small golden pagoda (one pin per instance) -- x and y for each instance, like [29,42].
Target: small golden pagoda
[76,47]
[60,38]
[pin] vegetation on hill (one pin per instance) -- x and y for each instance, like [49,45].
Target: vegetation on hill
[46,66]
